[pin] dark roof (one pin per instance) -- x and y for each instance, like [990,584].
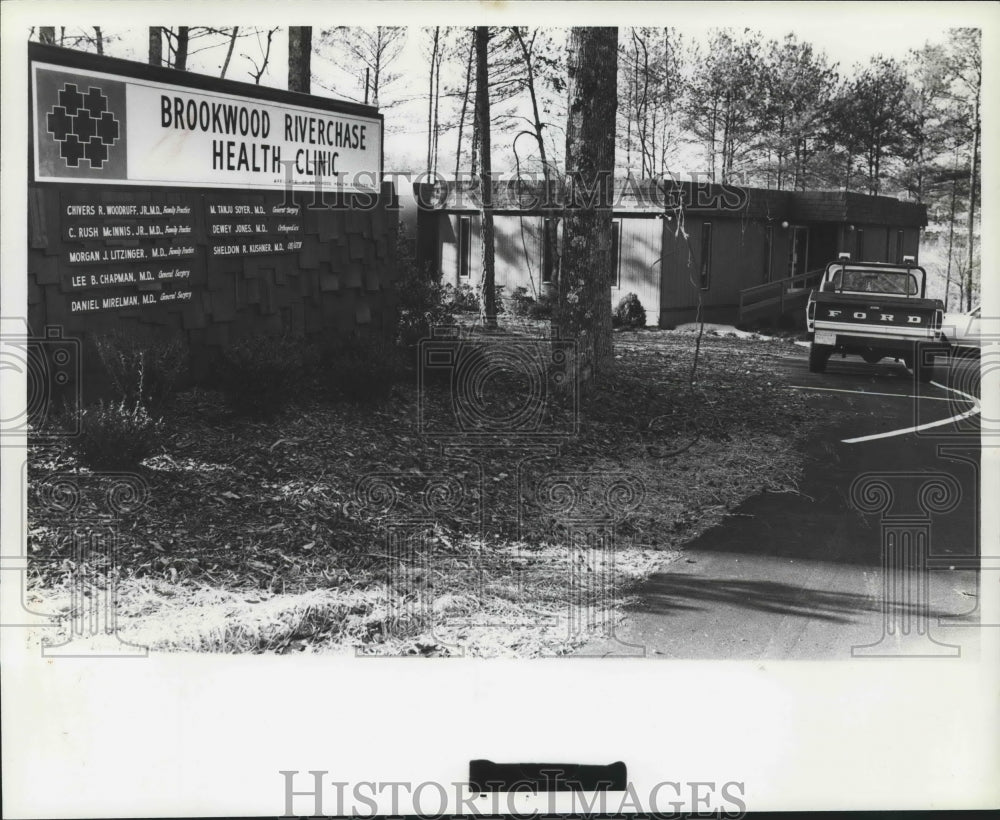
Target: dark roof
[709,199]
[844,206]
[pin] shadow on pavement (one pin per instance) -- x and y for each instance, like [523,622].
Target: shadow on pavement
[668,593]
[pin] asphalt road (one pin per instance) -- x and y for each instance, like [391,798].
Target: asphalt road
[790,576]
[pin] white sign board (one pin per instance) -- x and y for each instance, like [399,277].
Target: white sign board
[95,127]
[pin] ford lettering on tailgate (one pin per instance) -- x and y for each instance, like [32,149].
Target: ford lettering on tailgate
[875,315]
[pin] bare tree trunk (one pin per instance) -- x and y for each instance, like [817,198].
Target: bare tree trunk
[951,230]
[465,105]
[475,140]
[430,99]
[229,53]
[536,118]
[971,237]
[642,109]
[98,39]
[437,105]
[585,279]
[47,35]
[181,53]
[548,228]
[155,45]
[300,58]
[630,114]
[377,78]
[483,109]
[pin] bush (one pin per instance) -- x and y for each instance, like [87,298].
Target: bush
[630,312]
[116,435]
[423,302]
[464,299]
[360,369]
[499,300]
[543,307]
[257,374]
[142,372]
[521,302]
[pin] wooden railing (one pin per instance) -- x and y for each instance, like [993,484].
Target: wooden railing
[778,297]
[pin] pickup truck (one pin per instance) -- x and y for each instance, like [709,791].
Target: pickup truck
[874,310]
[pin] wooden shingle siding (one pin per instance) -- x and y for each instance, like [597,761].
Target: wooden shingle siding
[345,269]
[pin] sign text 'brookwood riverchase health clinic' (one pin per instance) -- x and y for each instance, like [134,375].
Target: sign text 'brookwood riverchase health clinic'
[95,127]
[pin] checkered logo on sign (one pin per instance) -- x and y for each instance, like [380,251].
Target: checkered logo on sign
[80,125]
[83,126]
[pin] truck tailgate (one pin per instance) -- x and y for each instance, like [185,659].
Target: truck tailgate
[876,314]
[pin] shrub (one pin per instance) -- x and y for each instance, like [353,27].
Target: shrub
[423,302]
[360,369]
[521,302]
[467,299]
[464,299]
[630,312]
[116,435]
[543,307]
[499,300]
[257,373]
[140,371]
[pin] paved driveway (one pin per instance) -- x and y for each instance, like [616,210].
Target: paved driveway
[802,576]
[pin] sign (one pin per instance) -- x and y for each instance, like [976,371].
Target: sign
[123,254]
[95,127]
[165,198]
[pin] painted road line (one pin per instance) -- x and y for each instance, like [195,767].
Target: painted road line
[974,411]
[966,396]
[871,393]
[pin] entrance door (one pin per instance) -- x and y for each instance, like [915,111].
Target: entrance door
[798,250]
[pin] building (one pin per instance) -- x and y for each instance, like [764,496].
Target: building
[740,254]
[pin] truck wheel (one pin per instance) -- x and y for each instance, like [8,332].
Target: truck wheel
[872,358]
[818,355]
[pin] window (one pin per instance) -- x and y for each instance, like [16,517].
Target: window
[705,273]
[899,247]
[464,246]
[875,281]
[859,244]
[768,251]
[616,252]
[549,228]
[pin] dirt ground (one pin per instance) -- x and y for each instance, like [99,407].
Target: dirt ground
[385,529]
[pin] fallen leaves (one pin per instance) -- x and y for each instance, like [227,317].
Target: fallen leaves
[244,508]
